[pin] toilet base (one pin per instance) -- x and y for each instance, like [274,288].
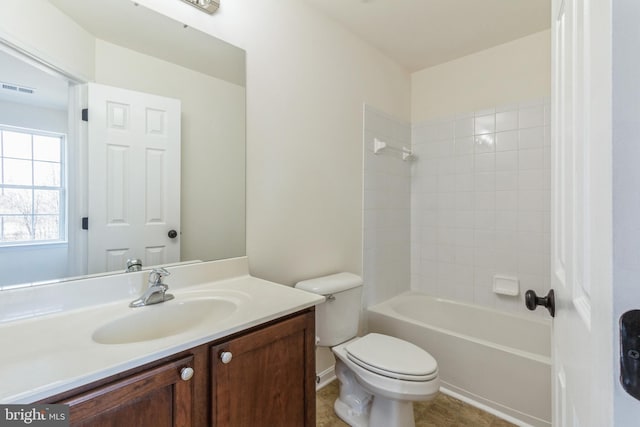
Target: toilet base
[354,402]
[383,413]
[391,413]
[349,416]
[359,408]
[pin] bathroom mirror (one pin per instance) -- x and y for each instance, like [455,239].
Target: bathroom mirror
[50,51]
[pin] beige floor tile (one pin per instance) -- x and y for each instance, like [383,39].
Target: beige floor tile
[443,411]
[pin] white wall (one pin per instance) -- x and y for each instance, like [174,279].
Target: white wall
[212,152]
[307,79]
[505,74]
[28,116]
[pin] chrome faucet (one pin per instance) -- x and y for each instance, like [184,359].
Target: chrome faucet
[156,292]
[133,265]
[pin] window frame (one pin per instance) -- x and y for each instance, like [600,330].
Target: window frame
[63,217]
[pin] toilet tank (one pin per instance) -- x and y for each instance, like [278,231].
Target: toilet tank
[337,318]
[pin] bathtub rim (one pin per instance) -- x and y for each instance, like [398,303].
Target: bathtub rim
[384,308]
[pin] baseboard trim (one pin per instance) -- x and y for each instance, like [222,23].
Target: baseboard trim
[484,407]
[325,377]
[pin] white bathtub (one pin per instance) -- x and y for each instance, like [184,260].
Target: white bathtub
[498,361]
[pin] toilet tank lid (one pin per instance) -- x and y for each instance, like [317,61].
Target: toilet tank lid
[331,284]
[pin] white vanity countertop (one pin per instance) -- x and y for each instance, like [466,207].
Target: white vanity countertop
[45,355]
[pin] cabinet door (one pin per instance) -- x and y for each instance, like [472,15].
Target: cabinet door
[270,379]
[154,398]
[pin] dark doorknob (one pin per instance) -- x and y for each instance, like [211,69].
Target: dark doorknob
[172,234]
[533,301]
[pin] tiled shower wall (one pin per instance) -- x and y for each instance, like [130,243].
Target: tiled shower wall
[481,203]
[387,209]
[473,204]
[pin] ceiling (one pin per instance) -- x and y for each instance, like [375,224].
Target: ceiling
[421,33]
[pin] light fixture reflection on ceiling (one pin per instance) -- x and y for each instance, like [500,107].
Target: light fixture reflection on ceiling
[208,6]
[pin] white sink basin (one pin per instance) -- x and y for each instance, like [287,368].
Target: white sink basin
[164,319]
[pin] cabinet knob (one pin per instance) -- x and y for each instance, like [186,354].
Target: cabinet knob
[186,373]
[226,357]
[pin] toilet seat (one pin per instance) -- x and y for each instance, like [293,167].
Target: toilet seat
[392,357]
[386,384]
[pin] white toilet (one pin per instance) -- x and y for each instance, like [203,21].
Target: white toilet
[380,376]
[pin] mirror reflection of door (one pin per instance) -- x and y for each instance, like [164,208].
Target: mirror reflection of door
[97,45]
[44,177]
[134,185]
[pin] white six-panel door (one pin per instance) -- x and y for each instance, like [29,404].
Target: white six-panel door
[134,178]
[581,215]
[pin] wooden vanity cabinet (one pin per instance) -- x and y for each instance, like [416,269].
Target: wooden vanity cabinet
[153,398]
[269,381]
[266,378]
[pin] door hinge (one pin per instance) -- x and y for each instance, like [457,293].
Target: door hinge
[85,114]
[85,223]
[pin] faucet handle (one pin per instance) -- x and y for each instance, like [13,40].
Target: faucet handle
[156,275]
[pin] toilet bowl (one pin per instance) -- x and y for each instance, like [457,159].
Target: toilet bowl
[380,376]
